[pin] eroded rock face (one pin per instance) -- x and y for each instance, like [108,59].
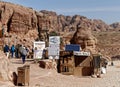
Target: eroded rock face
[5,74]
[85,39]
[19,24]
[17,18]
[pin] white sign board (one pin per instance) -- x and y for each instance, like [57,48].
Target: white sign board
[53,51]
[54,40]
[54,47]
[77,53]
[38,49]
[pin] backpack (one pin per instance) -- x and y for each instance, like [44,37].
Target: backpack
[24,52]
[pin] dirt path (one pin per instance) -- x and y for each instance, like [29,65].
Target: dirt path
[50,78]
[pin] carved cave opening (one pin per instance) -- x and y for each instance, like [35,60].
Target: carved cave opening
[9,24]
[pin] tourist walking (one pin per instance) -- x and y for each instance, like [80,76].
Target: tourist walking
[12,51]
[20,50]
[6,50]
[16,50]
[23,54]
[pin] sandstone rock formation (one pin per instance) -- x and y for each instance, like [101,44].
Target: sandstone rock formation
[5,74]
[18,22]
[116,26]
[85,39]
[99,25]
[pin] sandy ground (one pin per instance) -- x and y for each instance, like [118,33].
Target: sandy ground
[50,78]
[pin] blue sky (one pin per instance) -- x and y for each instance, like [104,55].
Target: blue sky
[106,10]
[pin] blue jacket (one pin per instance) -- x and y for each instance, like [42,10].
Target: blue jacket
[6,48]
[12,48]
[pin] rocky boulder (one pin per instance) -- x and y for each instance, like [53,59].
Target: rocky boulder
[85,39]
[5,73]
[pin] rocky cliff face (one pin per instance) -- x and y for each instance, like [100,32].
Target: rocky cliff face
[24,25]
[19,23]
